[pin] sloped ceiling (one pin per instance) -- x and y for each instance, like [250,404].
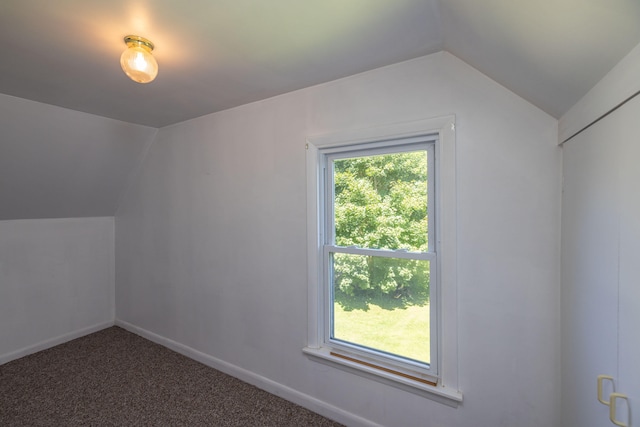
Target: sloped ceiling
[214,55]
[60,163]
[550,52]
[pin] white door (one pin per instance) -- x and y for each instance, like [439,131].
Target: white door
[628,374]
[601,268]
[589,297]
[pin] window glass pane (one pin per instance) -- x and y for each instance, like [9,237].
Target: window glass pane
[383,304]
[381,201]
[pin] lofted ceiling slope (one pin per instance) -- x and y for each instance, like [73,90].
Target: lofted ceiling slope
[212,55]
[60,163]
[550,52]
[215,55]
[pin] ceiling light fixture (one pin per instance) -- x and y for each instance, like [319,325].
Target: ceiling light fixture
[137,61]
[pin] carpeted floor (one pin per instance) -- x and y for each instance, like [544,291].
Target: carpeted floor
[116,378]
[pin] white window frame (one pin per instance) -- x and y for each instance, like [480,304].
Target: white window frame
[327,205]
[440,380]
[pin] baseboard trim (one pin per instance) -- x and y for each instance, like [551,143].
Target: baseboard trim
[52,342]
[292,395]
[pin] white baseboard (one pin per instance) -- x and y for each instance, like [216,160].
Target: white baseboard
[52,342]
[292,395]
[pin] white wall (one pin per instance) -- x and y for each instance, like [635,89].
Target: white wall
[600,252]
[211,244]
[59,163]
[56,282]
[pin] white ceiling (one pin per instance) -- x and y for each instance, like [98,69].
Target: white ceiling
[215,55]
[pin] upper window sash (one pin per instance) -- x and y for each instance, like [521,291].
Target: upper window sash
[400,145]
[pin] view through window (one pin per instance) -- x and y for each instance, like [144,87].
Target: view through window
[379,250]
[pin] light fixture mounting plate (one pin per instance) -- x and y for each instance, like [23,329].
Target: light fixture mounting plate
[132,40]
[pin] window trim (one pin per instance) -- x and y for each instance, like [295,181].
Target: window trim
[446,389]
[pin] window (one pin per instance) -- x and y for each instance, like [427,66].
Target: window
[378,253]
[382,254]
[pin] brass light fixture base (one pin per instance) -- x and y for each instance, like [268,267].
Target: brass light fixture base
[132,40]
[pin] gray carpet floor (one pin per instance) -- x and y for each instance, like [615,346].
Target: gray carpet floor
[116,378]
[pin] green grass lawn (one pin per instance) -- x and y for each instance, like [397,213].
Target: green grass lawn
[399,330]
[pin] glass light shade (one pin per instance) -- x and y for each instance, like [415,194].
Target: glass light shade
[139,64]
